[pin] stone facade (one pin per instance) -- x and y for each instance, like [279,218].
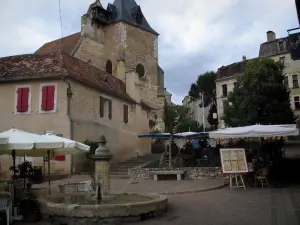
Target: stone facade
[191,173]
[127,43]
[274,48]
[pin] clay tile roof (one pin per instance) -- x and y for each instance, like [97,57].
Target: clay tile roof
[21,67]
[68,44]
[56,65]
[92,76]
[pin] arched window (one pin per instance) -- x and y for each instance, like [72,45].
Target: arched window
[108,67]
[140,70]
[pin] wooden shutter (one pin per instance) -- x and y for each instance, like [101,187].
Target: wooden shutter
[25,100]
[101,106]
[50,97]
[125,113]
[19,100]
[110,110]
[44,98]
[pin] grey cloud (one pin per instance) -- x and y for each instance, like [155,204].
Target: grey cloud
[195,36]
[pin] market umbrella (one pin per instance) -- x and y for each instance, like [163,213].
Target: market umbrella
[22,143]
[69,146]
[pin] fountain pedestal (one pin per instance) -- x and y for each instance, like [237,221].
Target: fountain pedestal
[101,158]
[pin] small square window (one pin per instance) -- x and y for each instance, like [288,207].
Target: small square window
[224,90]
[295,81]
[105,108]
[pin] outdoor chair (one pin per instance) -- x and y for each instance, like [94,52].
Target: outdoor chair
[5,206]
[262,176]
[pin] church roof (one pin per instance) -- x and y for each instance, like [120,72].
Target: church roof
[125,10]
[57,66]
[68,44]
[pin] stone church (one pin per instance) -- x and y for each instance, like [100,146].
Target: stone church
[105,79]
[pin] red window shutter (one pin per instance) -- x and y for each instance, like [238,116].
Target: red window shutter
[44,98]
[110,110]
[125,113]
[101,106]
[60,158]
[25,99]
[19,101]
[50,97]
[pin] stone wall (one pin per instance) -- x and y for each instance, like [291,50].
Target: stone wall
[192,173]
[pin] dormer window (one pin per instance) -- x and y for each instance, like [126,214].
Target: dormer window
[139,17]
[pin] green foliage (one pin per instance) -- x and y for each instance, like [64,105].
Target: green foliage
[259,97]
[174,115]
[206,83]
[189,125]
[93,147]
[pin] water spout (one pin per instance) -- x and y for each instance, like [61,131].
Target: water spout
[99,196]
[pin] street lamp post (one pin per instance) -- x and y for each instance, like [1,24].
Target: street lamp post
[203,112]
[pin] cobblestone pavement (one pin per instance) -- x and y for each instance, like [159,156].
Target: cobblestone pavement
[259,206]
[254,207]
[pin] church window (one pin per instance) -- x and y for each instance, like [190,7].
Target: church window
[140,70]
[108,67]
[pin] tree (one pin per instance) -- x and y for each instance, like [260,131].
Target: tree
[174,115]
[206,84]
[189,125]
[259,96]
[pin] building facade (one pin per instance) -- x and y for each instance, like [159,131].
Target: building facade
[102,80]
[196,110]
[274,48]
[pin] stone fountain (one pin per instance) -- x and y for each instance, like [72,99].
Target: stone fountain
[102,206]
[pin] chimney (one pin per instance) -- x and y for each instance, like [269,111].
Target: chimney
[271,36]
[244,58]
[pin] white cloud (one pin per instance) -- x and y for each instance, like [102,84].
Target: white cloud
[195,36]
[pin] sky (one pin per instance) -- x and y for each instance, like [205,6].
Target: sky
[195,35]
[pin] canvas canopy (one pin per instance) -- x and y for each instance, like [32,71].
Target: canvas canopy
[36,145]
[177,135]
[69,146]
[256,131]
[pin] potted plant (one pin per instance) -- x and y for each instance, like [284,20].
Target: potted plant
[29,209]
[23,173]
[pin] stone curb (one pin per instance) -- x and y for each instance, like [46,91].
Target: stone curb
[193,191]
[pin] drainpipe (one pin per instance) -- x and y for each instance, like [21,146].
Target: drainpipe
[69,96]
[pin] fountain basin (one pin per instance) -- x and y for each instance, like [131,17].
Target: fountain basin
[77,209]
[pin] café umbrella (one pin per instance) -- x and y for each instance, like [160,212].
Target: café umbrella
[21,143]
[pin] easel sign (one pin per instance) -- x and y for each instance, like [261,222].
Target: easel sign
[234,163]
